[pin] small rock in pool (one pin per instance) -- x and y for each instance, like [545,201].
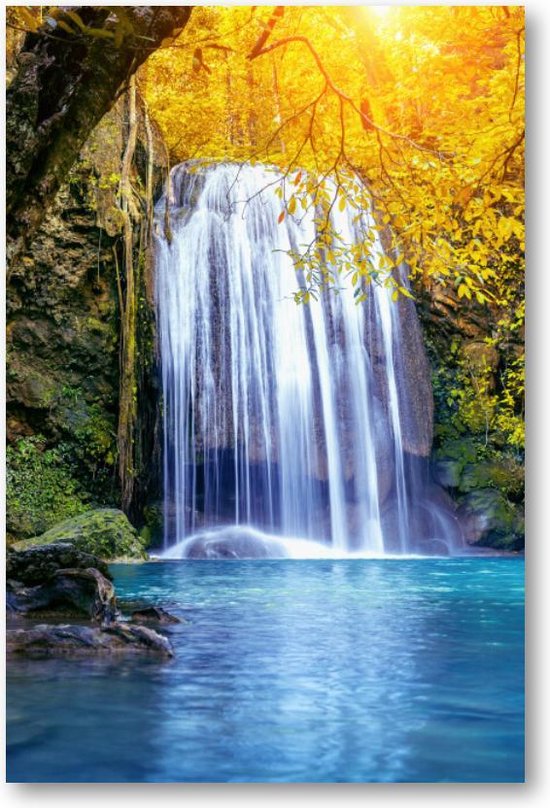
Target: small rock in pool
[153,614]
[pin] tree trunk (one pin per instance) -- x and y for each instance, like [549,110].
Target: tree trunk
[70,74]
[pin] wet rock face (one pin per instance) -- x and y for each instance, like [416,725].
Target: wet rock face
[62,356]
[413,376]
[477,457]
[65,640]
[491,520]
[234,545]
[62,332]
[68,592]
[104,532]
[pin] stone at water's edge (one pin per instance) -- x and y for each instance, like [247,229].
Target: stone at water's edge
[58,581]
[39,563]
[237,544]
[491,520]
[61,640]
[489,494]
[69,592]
[104,532]
[153,614]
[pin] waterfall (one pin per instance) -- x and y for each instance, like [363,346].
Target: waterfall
[280,419]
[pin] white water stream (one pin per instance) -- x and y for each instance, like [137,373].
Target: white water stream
[273,416]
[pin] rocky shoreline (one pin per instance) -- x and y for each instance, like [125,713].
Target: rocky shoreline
[61,601]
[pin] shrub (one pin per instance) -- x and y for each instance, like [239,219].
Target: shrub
[41,487]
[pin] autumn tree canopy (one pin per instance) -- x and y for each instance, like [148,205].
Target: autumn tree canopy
[424,104]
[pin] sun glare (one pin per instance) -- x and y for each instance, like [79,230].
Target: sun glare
[380,11]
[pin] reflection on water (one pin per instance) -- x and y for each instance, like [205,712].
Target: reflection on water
[340,671]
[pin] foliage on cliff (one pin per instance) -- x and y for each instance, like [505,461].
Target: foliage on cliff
[72,64]
[41,488]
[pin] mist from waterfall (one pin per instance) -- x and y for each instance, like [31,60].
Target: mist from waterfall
[281,419]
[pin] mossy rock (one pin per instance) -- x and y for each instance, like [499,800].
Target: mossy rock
[104,532]
[491,520]
[448,473]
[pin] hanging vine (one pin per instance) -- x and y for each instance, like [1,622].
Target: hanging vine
[128,309]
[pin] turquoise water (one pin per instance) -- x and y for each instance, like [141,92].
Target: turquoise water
[292,671]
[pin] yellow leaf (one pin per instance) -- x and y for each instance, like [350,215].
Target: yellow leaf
[65,27]
[292,205]
[29,21]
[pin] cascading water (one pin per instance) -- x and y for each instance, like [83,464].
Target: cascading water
[279,418]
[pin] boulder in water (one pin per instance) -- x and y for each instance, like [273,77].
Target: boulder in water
[68,592]
[61,640]
[491,520]
[233,543]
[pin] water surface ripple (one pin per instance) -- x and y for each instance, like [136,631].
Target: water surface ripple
[292,671]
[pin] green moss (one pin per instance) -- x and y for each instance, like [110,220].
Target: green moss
[96,435]
[504,527]
[91,436]
[151,532]
[504,475]
[104,532]
[478,434]
[41,487]
[146,535]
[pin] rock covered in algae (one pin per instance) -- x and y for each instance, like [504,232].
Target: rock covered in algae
[103,532]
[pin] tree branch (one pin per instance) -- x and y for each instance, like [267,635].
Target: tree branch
[337,91]
[266,33]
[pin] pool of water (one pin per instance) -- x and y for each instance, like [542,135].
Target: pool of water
[292,671]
